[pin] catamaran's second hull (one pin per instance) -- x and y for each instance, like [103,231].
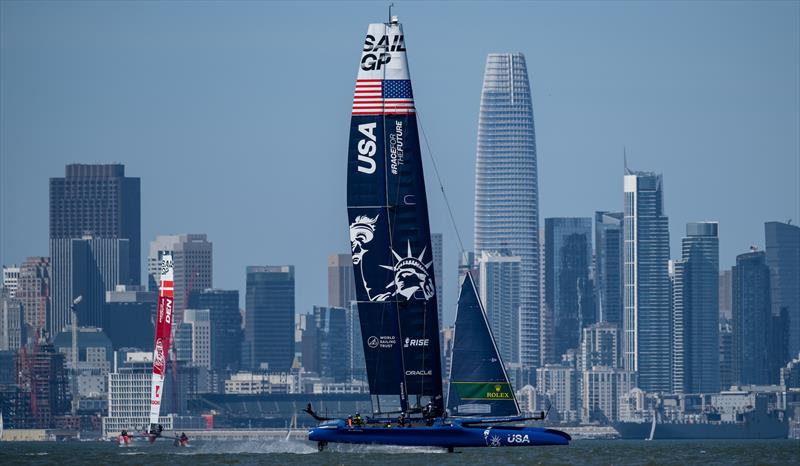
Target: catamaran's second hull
[444,436]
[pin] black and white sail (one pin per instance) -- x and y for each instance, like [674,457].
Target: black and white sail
[389,229]
[479,385]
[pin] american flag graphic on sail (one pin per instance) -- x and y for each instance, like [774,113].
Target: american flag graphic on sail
[383,97]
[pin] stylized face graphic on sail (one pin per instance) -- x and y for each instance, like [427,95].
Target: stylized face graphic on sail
[411,275]
[362,230]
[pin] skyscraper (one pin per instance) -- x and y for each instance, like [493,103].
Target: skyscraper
[269,317]
[568,289]
[752,317]
[725,294]
[647,311]
[192,257]
[783,259]
[128,317]
[330,324]
[696,311]
[341,280]
[33,291]
[100,204]
[10,280]
[499,289]
[506,184]
[226,327]
[608,266]
[87,267]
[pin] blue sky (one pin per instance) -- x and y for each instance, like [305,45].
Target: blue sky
[235,115]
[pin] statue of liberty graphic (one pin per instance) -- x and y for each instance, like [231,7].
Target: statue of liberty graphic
[410,272]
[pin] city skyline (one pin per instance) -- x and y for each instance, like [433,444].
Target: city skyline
[244,158]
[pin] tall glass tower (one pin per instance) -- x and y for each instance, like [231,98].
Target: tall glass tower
[647,312]
[506,185]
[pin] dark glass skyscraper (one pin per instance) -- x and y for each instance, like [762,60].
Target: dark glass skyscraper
[269,317]
[96,202]
[226,327]
[752,317]
[783,259]
[506,184]
[608,266]
[568,291]
[330,326]
[646,299]
[696,311]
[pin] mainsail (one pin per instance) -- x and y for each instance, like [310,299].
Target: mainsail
[389,230]
[163,333]
[478,381]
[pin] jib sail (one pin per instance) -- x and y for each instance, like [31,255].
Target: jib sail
[389,230]
[163,333]
[479,385]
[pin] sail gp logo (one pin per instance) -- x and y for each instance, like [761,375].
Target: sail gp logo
[366,148]
[377,50]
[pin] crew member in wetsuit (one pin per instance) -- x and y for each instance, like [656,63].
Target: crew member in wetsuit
[357,420]
[184,439]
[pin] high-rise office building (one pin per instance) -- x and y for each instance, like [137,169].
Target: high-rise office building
[269,317]
[569,291]
[192,259]
[726,365]
[128,317]
[752,317]
[647,312]
[499,289]
[101,203]
[87,267]
[783,259]
[608,266]
[355,347]
[436,246]
[10,280]
[506,184]
[725,294]
[330,324]
[341,280]
[12,323]
[33,291]
[226,327]
[695,328]
[200,324]
[599,346]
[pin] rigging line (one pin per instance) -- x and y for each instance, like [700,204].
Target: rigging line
[441,185]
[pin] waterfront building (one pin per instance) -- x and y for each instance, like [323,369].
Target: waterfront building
[608,266]
[101,203]
[569,290]
[33,291]
[695,329]
[269,317]
[646,299]
[506,185]
[128,316]
[499,290]
[129,396]
[752,317]
[783,259]
[341,280]
[601,389]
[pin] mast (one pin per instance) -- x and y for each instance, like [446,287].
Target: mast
[389,229]
[162,338]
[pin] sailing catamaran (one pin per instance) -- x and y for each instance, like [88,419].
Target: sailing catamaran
[392,259]
[161,345]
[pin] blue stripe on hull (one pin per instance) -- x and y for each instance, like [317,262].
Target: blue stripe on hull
[439,435]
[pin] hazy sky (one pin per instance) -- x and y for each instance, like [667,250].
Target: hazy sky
[236,115]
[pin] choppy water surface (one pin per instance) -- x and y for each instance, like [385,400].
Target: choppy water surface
[600,452]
